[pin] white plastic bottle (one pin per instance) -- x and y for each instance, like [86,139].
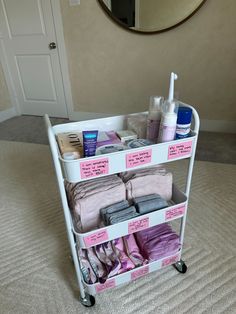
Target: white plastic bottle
[168,124]
[154,117]
[169,117]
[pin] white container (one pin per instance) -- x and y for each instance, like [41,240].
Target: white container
[168,124]
[154,117]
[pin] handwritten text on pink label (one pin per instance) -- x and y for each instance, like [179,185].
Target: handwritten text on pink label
[170,260]
[180,150]
[96,237]
[138,225]
[140,272]
[93,168]
[138,158]
[175,212]
[111,283]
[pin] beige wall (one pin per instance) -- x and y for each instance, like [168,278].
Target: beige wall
[5,101]
[115,71]
[161,14]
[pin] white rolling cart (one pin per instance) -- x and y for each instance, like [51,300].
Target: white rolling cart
[102,165]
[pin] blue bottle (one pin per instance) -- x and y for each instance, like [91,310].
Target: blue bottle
[183,122]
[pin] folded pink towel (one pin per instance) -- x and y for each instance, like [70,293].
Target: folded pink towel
[87,198]
[153,180]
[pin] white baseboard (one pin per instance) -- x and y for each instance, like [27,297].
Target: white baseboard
[218,126]
[83,116]
[7,114]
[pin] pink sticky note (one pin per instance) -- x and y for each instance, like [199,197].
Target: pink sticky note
[140,272]
[96,238]
[109,284]
[175,212]
[138,158]
[170,260]
[180,150]
[138,225]
[94,168]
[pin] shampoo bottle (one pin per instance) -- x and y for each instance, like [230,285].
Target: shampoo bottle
[154,117]
[169,116]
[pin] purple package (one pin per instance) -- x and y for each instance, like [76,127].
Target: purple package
[107,138]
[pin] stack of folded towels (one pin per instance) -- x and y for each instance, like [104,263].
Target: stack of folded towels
[88,197]
[151,180]
[117,213]
[157,242]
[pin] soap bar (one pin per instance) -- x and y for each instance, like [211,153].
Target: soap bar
[126,135]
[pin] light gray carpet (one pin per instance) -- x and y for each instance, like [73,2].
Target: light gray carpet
[37,277]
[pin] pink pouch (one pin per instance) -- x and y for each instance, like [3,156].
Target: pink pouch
[86,269]
[116,265]
[119,248]
[132,250]
[98,267]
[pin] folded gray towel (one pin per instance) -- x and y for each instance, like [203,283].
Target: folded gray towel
[127,211]
[113,208]
[115,220]
[151,205]
[145,198]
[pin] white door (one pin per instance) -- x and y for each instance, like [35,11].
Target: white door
[27,28]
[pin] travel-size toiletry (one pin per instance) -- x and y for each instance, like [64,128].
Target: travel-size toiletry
[154,117]
[183,122]
[90,142]
[169,117]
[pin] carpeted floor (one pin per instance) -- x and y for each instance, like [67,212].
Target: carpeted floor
[36,275]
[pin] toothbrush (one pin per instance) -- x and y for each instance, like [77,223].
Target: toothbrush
[173,77]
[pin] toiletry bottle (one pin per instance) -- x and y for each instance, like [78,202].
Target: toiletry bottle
[154,118]
[169,117]
[183,122]
[168,124]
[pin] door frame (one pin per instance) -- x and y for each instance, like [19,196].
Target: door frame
[58,25]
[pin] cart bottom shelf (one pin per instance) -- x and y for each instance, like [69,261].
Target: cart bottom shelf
[129,276]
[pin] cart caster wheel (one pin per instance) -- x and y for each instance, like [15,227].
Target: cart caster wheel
[181,266]
[88,300]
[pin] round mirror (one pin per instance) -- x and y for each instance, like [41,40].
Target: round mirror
[150,16]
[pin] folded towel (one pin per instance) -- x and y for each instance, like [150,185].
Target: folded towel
[151,205]
[116,215]
[145,198]
[155,180]
[86,200]
[113,208]
[115,220]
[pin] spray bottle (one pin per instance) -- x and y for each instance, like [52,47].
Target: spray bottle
[154,117]
[169,117]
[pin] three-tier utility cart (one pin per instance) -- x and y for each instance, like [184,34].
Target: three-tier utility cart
[103,165]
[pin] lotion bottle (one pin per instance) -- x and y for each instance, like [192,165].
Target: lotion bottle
[169,117]
[154,118]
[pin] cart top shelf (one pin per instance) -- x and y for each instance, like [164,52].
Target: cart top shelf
[102,165]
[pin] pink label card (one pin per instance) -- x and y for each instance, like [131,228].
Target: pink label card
[138,225]
[96,237]
[109,284]
[140,272]
[138,158]
[94,168]
[175,212]
[180,150]
[170,260]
